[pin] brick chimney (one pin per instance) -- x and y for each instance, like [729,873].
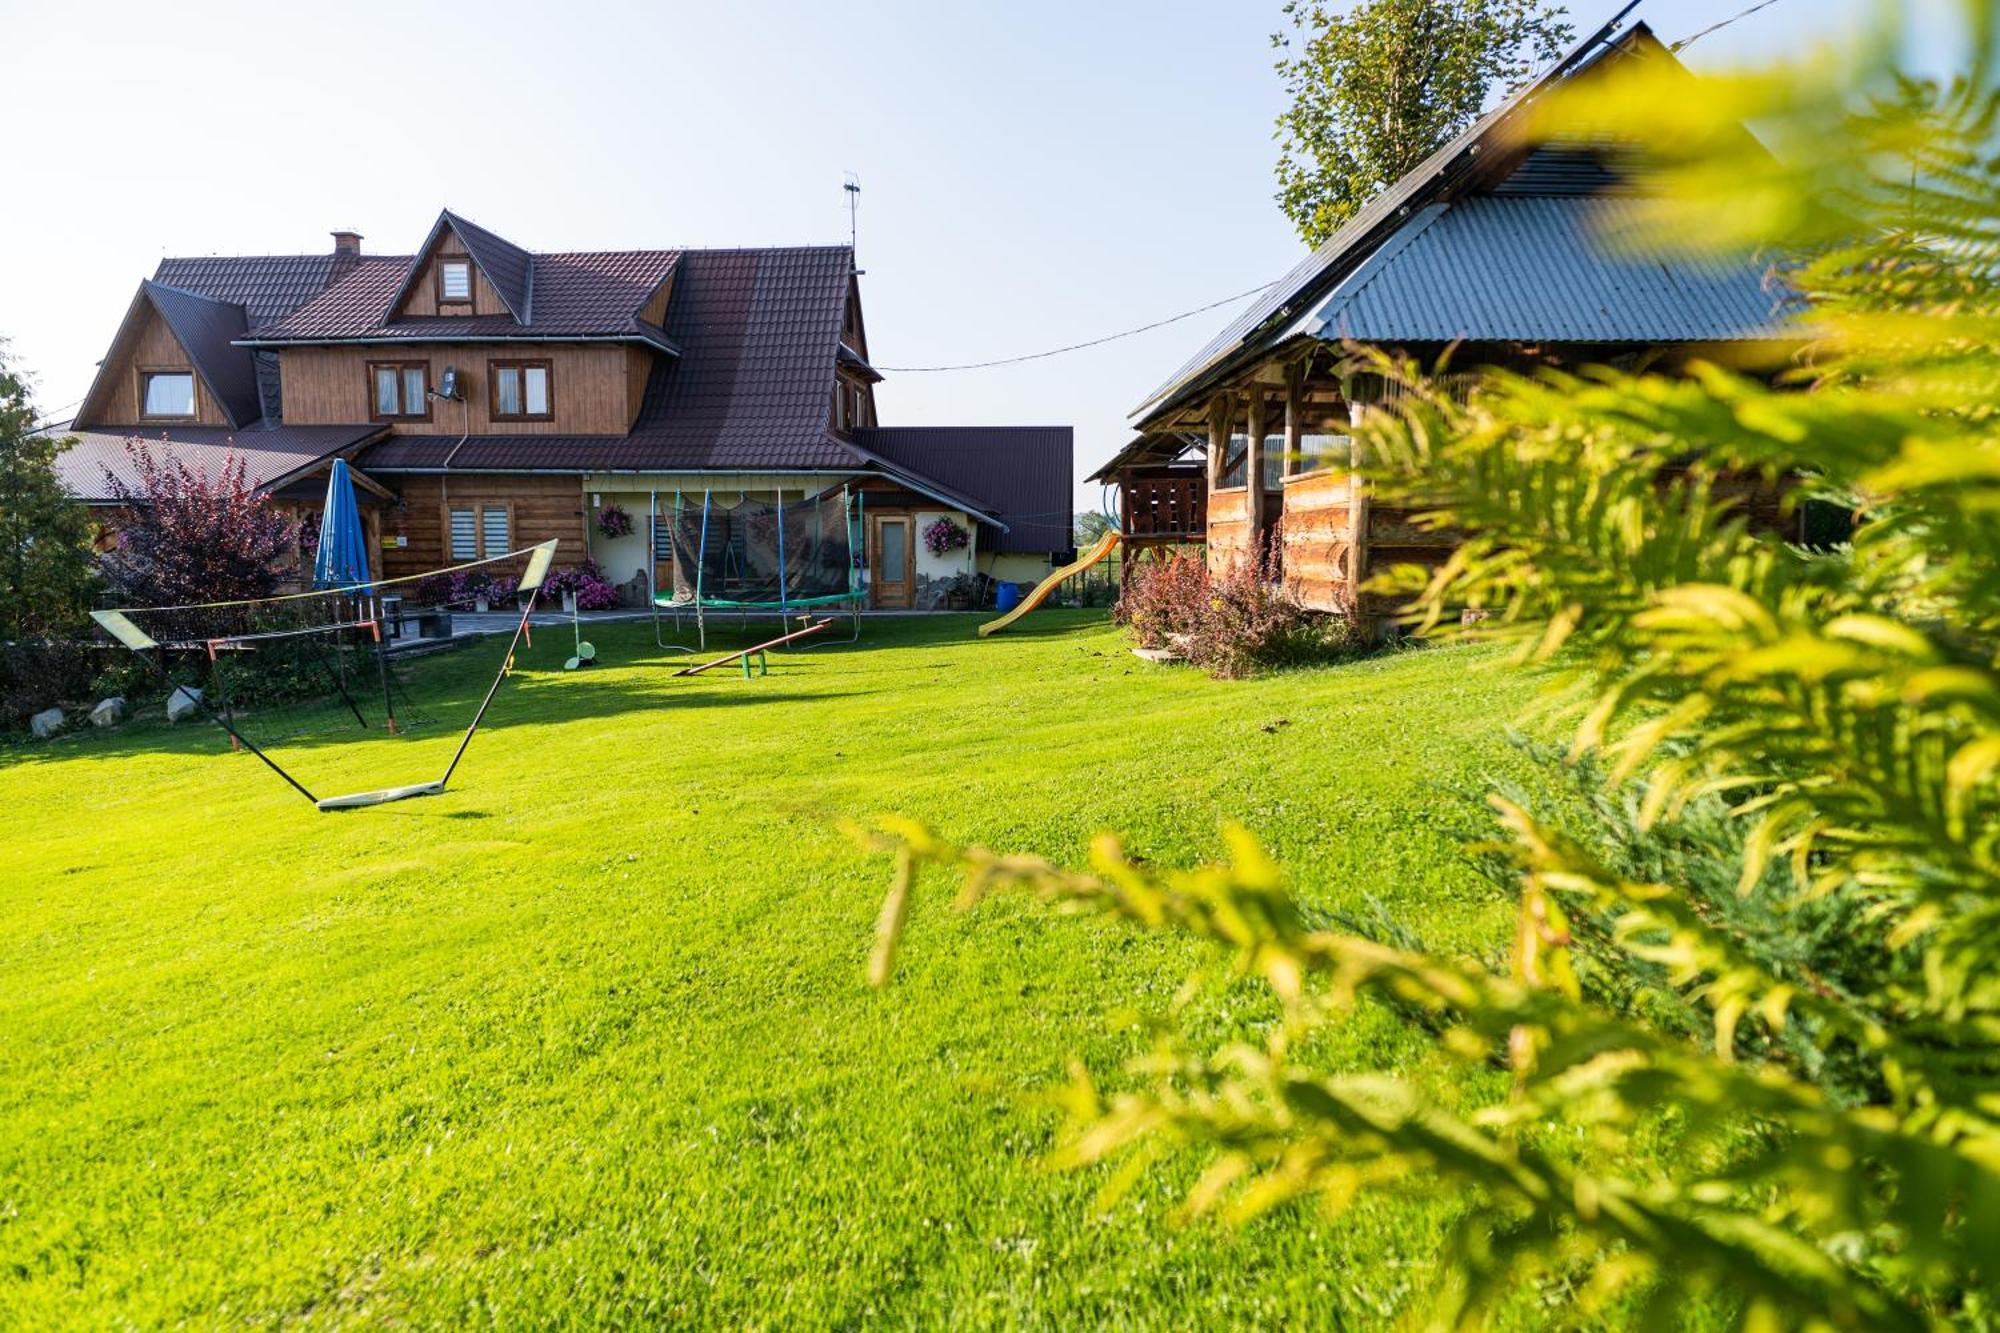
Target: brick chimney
[346,254]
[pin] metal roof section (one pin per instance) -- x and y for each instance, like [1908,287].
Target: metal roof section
[1018,475]
[207,330]
[1449,165]
[1581,269]
[593,296]
[271,455]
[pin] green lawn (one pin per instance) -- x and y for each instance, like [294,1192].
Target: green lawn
[586,1039]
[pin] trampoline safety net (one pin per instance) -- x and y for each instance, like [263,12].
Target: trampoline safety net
[761,552]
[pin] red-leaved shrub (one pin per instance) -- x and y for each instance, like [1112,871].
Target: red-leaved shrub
[187,537]
[1233,623]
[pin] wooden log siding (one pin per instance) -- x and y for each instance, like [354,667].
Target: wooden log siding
[152,346]
[1317,536]
[542,507]
[1229,528]
[595,387]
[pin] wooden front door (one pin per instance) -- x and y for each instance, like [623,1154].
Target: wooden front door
[889,561]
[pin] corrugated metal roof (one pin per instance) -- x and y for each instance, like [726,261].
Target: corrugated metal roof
[1570,269]
[1019,474]
[269,454]
[1425,182]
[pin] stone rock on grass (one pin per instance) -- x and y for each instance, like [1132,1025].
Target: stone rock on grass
[46,723]
[109,712]
[183,703]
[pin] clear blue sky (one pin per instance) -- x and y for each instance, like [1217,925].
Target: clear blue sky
[1033,173]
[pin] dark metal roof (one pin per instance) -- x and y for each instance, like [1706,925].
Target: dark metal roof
[207,331]
[1569,269]
[751,390]
[506,265]
[271,455]
[268,287]
[591,295]
[1019,474]
[858,363]
[1449,166]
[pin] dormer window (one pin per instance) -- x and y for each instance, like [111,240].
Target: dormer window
[522,392]
[454,281]
[166,394]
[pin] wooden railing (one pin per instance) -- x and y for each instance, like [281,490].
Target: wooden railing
[1165,506]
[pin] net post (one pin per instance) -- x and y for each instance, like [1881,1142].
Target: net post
[382,670]
[228,710]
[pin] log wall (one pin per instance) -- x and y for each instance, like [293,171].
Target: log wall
[543,507]
[1228,527]
[595,387]
[1317,540]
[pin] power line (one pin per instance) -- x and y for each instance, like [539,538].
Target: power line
[1077,347]
[1686,42]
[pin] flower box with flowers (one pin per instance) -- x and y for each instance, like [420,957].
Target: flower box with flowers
[614,522]
[942,536]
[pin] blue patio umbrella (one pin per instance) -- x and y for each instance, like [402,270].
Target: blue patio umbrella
[342,561]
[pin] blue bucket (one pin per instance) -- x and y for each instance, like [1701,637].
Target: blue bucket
[1006,596]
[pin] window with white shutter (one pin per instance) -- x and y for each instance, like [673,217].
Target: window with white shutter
[493,531]
[464,534]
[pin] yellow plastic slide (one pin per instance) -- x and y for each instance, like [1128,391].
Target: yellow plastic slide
[1105,546]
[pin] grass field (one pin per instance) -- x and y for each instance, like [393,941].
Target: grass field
[586,1039]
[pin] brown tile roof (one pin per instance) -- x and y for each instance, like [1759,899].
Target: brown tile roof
[271,455]
[592,295]
[268,287]
[1019,474]
[751,389]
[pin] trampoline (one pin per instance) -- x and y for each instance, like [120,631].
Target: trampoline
[750,555]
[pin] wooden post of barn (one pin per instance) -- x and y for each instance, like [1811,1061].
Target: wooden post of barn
[1295,417]
[1220,409]
[1253,475]
[1357,520]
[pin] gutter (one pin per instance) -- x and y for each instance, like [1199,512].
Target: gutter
[984,516]
[406,340]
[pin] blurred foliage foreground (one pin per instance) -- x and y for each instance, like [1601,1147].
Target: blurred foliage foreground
[1751,1013]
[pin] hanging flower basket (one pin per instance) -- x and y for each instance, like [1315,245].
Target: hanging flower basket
[942,537]
[613,521]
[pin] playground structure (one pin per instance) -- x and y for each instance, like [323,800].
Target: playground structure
[756,557]
[758,651]
[1104,546]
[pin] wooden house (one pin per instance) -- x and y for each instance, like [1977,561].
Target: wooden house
[489,397]
[1499,250]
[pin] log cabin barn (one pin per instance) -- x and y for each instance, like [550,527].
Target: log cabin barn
[1498,251]
[487,398]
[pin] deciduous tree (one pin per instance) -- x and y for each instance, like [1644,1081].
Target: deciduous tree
[1377,87]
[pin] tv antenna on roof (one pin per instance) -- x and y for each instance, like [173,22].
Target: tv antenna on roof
[852,184]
